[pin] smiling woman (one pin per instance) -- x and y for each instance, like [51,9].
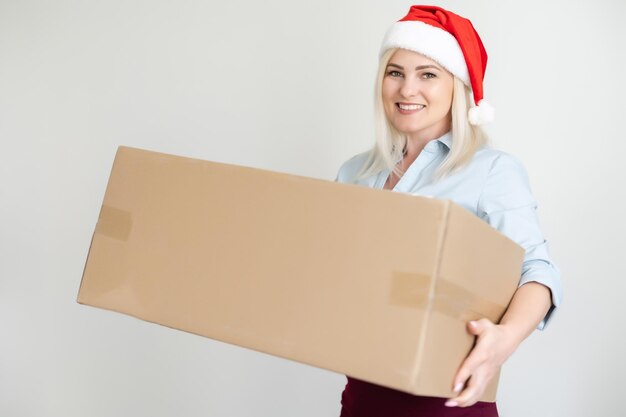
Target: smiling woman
[429,109]
[448,105]
[417,97]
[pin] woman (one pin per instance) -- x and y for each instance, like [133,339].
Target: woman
[429,108]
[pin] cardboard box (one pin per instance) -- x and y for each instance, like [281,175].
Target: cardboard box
[369,283]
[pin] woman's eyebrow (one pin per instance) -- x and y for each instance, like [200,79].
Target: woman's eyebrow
[418,68]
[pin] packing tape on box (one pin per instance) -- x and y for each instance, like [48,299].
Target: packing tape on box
[114,223]
[412,290]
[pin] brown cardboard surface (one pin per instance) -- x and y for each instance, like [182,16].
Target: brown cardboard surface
[368,283]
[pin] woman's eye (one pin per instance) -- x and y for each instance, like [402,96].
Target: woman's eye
[394,73]
[428,75]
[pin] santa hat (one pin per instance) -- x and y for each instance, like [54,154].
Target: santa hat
[450,40]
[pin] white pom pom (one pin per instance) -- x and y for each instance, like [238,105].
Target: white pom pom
[481,114]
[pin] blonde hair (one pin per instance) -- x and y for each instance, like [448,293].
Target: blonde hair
[390,143]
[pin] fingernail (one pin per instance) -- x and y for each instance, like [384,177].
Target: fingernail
[458,387]
[451,403]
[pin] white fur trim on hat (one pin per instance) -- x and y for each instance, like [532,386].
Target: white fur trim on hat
[437,44]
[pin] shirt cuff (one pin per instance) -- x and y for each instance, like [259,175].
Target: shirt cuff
[547,274]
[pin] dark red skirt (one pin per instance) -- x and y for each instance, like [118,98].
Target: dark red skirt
[362,399]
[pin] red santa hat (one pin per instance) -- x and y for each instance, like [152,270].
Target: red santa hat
[450,40]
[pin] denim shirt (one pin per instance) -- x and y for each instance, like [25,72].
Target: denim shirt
[494,186]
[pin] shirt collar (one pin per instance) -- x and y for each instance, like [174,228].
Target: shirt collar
[446,139]
[440,144]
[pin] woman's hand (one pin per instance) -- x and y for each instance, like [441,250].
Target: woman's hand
[494,344]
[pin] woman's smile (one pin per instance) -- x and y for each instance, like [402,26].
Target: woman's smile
[409,108]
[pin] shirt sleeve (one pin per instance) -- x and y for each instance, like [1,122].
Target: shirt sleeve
[508,205]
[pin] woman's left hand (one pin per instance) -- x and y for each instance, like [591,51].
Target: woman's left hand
[494,344]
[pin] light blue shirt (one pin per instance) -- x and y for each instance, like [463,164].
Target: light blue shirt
[494,186]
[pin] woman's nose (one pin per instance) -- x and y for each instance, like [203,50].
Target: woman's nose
[409,88]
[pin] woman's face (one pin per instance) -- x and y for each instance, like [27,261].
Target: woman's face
[417,95]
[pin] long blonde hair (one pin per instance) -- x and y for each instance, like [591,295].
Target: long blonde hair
[388,150]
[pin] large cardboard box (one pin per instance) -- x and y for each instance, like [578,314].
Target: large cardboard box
[369,283]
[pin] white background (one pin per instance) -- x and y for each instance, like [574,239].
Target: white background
[286,86]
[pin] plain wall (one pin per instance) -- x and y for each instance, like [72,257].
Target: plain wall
[286,86]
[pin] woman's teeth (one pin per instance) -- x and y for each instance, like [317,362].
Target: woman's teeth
[410,106]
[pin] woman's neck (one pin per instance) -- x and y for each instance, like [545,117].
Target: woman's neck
[417,141]
[415,145]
